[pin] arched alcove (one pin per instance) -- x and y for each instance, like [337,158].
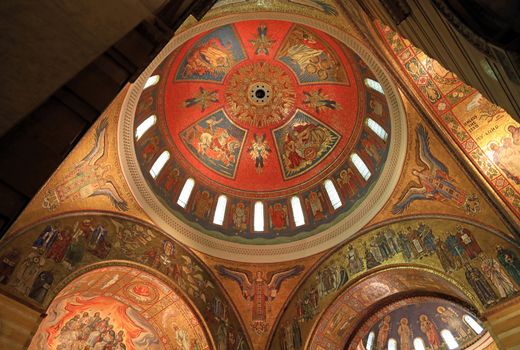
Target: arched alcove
[432,321]
[337,326]
[120,306]
[445,256]
[49,255]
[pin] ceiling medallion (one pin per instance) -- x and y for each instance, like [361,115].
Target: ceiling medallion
[260,94]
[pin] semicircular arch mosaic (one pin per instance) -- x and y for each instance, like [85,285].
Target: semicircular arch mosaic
[421,319]
[119,307]
[39,261]
[479,263]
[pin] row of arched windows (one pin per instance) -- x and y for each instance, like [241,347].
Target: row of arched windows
[258,212]
[418,342]
[259,209]
[258,218]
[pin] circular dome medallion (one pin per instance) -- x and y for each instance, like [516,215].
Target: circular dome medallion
[260,94]
[276,127]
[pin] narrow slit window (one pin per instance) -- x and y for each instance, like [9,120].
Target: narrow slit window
[154,79]
[418,344]
[377,129]
[333,194]
[297,211]
[449,339]
[473,324]
[220,210]
[360,166]
[259,217]
[186,192]
[374,85]
[159,164]
[392,344]
[145,126]
[370,341]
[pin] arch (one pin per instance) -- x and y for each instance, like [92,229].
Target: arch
[355,260]
[159,164]
[360,166]
[470,321]
[220,210]
[449,339]
[360,298]
[374,85]
[185,194]
[392,344]
[134,297]
[297,211]
[332,193]
[151,81]
[258,217]
[86,238]
[370,341]
[377,129]
[144,126]
[424,316]
[418,343]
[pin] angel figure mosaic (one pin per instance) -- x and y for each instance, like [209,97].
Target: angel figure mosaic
[435,182]
[88,178]
[259,151]
[259,289]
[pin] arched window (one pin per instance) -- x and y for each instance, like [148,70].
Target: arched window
[186,192]
[374,85]
[144,126]
[154,79]
[332,193]
[360,166]
[377,129]
[258,223]
[473,324]
[220,210]
[392,344]
[370,341]
[159,164]
[418,344]
[297,211]
[449,339]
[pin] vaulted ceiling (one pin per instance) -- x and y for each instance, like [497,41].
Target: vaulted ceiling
[278,174]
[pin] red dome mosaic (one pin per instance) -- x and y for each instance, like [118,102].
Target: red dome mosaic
[262,111]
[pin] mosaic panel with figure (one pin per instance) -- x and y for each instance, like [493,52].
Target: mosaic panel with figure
[35,263]
[485,263]
[488,136]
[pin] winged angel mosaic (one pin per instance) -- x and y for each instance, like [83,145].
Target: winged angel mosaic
[259,289]
[88,178]
[434,182]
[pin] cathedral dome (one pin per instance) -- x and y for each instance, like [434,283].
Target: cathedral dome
[260,136]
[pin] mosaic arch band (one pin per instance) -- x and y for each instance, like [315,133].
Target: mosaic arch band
[291,144]
[85,268]
[472,263]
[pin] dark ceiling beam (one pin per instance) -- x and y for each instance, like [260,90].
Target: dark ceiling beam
[32,149]
[479,43]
